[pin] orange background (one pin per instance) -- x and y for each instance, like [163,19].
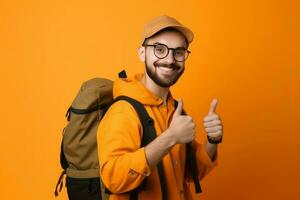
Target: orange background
[245,53]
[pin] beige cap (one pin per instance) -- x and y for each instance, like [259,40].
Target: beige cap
[164,21]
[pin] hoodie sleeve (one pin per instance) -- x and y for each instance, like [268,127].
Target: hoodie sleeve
[123,164]
[204,163]
[205,166]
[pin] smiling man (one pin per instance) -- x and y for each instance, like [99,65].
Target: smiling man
[124,165]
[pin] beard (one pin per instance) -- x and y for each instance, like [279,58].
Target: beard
[167,81]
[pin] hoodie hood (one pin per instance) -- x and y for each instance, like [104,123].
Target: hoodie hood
[133,87]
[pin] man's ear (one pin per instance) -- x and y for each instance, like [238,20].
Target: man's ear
[141,52]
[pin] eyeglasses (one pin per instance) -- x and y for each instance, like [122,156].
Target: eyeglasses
[161,51]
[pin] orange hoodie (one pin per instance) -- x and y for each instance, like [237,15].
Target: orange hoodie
[123,164]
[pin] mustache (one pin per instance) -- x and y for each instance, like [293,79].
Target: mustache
[172,66]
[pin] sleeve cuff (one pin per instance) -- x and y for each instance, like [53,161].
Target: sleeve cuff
[207,160]
[140,163]
[204,158]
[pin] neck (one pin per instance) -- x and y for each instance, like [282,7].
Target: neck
[154,88]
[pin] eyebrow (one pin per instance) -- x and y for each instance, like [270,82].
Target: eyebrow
[167,45]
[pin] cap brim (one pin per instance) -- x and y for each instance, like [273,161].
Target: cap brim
[184,30]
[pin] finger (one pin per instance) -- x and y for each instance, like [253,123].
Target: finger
[212,123]
[211,117]
[213,106]
[215,134]
[178,110]
[214,129]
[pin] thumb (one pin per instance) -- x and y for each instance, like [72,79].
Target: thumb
[178,110]
[213,106]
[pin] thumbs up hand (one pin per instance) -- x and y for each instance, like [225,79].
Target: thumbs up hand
[212,123]
[182,127]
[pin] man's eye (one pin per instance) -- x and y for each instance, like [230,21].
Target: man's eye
[160,50]
[179,52]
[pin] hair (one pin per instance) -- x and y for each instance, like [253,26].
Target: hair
[166,29]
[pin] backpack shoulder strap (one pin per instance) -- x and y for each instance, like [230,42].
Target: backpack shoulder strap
[149,134]
[191,161]
[145,119]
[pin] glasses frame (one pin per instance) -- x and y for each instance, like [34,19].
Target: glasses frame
[174,49]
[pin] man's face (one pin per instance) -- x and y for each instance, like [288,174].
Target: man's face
[166,71]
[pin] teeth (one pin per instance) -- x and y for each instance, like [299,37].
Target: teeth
[166,69]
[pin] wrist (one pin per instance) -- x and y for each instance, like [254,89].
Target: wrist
[169,137]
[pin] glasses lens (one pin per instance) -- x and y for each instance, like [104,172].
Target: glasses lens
[180,54]
[161,51]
